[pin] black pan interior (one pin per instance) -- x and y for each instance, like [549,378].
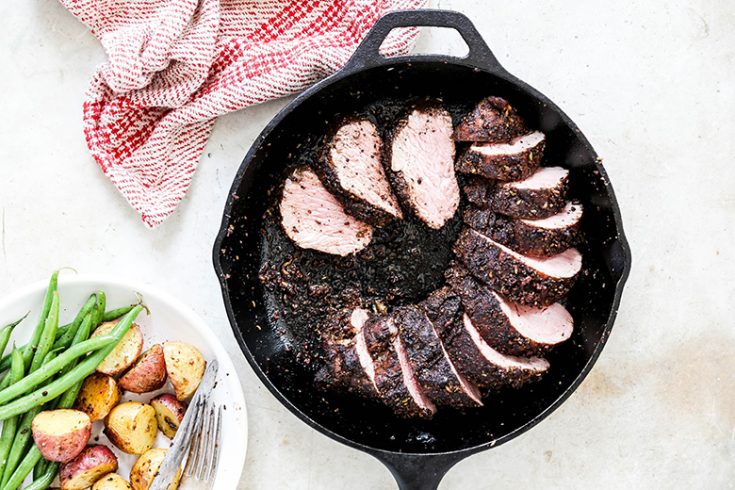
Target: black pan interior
[382,92]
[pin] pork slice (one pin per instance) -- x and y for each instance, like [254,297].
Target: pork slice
[493,120]
[420,163]
[510,328]
[313,218]
[527,280]
[473,357]
[344,364]
[351,168]
[432,367]
[541,195]
[515,160]
[535,238]
[394,377]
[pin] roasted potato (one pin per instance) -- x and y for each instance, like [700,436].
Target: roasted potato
[185,367]
[112,481]
[98,395]
[146,467]
[89,466]
[125,352]
[60,435]
[147,374]
[169,413]
[132,427]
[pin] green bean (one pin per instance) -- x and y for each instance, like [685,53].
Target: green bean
[100,310]
[25,467]
[10,425]
[118,312]
[48,335]
[65,338]
[57,387]
[30,348]
[52,367]
[7,331]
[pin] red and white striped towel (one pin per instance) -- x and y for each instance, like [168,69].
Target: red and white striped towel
[175,65]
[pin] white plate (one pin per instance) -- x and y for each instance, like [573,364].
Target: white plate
[169,320]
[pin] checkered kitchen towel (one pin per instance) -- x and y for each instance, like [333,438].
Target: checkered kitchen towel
[175,65]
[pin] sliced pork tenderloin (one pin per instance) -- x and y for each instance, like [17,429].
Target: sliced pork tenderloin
[541,195]
[535,238]
[394,378]
[419,159]
[314,219]
[522,279]
[493,120]
[510,328]
[510,161]
[432,367]
[351,168]
[473,357]
[345,364]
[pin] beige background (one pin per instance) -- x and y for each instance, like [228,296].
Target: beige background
[652,86]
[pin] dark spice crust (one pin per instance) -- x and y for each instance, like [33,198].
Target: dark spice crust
[430,366]
[487,316]
[388,374]
[493,120]
[342,370]
[341,366]
[507,275]
[444,309]
[517,166]
[399,184]
[353,204]
[516,203]
[519,236]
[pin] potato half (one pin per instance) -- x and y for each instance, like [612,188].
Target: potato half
[112,481]
[185,367]
[125,352]
[169,413]
[99,394]
[146,468]
[60,435]
[147,374]
[132,427]
[88,467]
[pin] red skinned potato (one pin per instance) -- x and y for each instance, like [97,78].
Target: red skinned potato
[185,367]
[132,427]
[147,374]
[112,481]
[99,394]
[146,468]
[169,413]
[88,467]
[61,435]
[125,352]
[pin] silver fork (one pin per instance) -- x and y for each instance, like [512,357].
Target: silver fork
[198,439]
[201,463]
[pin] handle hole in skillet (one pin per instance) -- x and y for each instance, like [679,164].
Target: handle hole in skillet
[443,40]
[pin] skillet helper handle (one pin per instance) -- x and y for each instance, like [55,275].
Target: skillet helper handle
[368,55]
[419,471]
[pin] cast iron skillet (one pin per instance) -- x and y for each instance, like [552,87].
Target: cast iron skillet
[417,453]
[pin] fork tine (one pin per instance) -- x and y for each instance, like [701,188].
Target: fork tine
[194,456]
[216,438]
[207,448]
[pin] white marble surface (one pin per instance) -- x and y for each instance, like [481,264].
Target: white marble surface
[652,84]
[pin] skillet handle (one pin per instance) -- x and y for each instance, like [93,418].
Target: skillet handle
[367,54]
[418,471]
